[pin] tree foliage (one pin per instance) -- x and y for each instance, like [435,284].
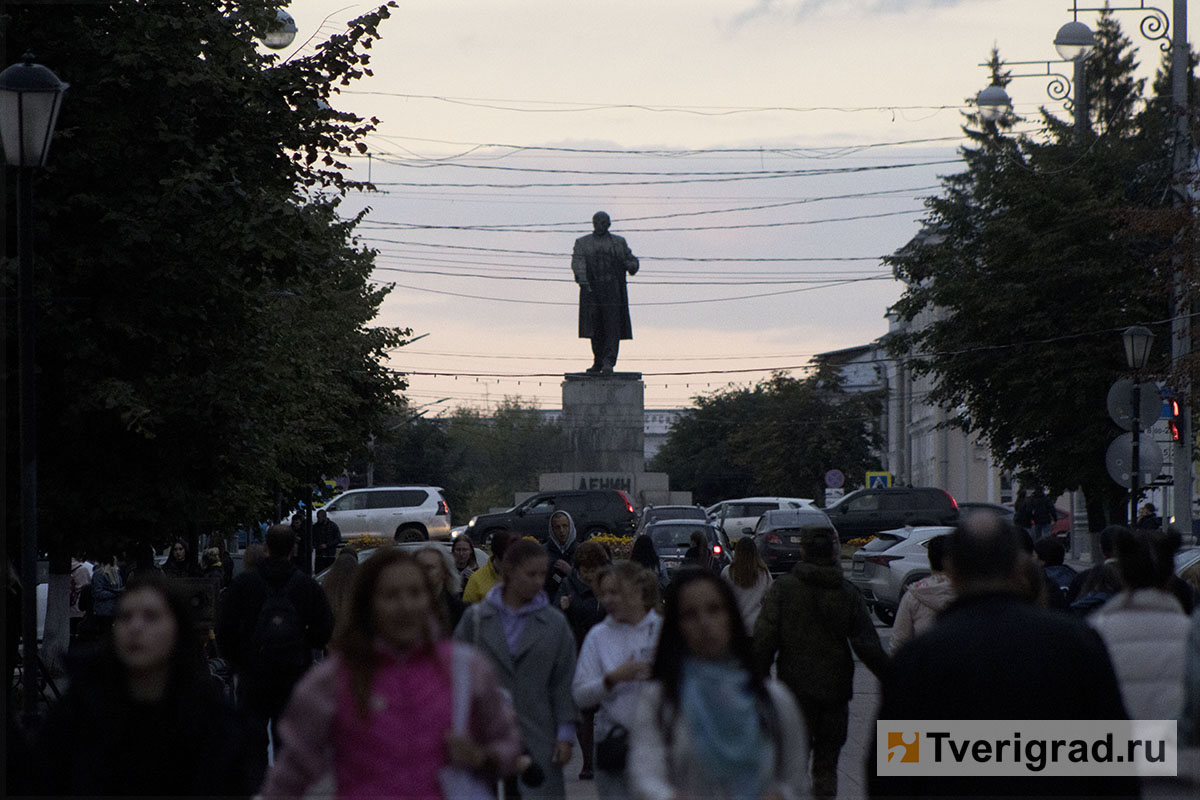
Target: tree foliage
[778,438]
[205,327]
[480,458]
[1031,263]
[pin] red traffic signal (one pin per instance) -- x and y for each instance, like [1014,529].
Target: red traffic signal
[1173,420]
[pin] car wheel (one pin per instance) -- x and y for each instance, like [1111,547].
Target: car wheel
[486,541]
[596,530]
[886,615]
[411,533]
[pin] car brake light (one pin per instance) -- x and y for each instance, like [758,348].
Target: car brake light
[773,539]
[881,561]
[716,549]
[628,502]
[953,502]
[443,509]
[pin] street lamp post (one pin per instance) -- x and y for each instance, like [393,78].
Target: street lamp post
[1137,350]
[1074,43]
[30,97]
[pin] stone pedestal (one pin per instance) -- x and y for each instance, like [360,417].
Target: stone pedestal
[603,421]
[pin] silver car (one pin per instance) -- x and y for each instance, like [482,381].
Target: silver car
[403,513]
[885,567]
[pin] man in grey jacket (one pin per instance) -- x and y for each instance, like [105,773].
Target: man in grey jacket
[600,261]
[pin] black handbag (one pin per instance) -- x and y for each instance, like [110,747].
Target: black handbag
[613,750]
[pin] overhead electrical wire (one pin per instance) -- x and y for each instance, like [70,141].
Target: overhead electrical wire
[573,107]
[407,226]
[879,193]
[563,254]
[523,301]
[740,281]
[711,178]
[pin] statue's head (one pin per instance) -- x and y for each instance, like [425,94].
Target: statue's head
[600,223]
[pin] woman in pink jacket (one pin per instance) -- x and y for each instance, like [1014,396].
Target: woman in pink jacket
[925,599]
[376,714]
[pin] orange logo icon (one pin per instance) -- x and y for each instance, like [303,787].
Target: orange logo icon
[905,745]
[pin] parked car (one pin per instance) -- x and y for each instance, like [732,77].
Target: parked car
[969,507]
[885,567]
[595,511]
[481,556]
[657,513]
[868,511]
[778,535]
[673,537]
[738,517]
[399,512]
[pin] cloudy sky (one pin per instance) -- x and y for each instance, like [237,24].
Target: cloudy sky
[758,155]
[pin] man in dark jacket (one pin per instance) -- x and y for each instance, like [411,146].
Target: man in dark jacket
[992,656]
[599,262]
[811,618]
[271,622]
[326,538]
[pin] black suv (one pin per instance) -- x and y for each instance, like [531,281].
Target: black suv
[869,511]
[595,511]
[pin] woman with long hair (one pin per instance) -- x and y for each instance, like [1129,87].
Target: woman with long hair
[337,581]
[614,665]
[749,578]
[439,569]
[465,561]
[140,716]
[179,564]
[390,680]
[1144,627]
[643,552]
[708,724]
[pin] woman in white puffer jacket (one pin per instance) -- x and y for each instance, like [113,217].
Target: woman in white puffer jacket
[1144,626]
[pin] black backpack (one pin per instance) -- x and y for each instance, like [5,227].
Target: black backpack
[85,599]
[278,641]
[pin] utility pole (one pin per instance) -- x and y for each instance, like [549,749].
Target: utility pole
[1181,303]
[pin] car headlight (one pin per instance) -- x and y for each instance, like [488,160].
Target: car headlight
[471,524]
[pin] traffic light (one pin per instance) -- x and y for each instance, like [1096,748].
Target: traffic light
[1173,420]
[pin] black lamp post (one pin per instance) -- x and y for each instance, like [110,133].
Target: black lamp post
[1137,350]
[30,97]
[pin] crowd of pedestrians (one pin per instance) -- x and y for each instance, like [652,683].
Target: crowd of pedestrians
[427,675]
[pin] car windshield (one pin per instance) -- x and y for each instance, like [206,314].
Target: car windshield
[675,537]
[749,509]
[881,541]
[674,512]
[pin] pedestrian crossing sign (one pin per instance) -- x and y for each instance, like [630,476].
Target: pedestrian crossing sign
[879,480]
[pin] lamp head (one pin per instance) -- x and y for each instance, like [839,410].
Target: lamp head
[1137,346]
[1074,41]
[993,103]
[30,97]
[282,33]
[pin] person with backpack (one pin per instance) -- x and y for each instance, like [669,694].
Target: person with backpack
[273,619]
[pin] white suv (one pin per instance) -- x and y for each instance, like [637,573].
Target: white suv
[405,513]
[738,517]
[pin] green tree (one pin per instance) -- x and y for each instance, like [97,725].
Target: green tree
[206,317]
[1029,268]
[479,458]
[498,454]
[778,438]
